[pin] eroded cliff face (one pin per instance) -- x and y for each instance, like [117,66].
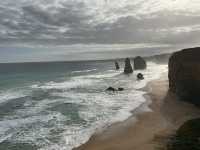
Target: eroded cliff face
[184,74]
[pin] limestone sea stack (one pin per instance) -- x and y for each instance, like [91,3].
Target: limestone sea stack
[184,74]
[128,67]
[117,65]
[139,63]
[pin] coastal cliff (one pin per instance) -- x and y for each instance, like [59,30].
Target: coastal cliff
[184,74]
[184,81]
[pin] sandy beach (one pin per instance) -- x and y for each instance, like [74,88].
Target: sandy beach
[148,130]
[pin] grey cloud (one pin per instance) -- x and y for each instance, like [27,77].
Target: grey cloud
[133,30]
[69,14]
[75,22]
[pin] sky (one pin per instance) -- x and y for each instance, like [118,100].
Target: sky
[51,30]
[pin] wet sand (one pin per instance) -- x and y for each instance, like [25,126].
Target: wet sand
[148,130]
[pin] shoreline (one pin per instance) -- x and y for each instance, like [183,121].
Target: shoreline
[145,130]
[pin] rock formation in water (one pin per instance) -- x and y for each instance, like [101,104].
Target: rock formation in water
[112,89]
[140,76]
[139,63]
[128,67]
[120,89]
[184,74]
[117,65]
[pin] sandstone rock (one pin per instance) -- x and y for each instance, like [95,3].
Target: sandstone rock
[184,74]
[128,67]
[139,63]
[117,65]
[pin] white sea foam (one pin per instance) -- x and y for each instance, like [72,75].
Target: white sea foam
[111,107]
[9,124]
[107,74]
[73,83]
[36,108]
[84,71]
[152,72]
[72,134]
[77,82]
[126,102]
[10,94]
[99,108]
[12,129]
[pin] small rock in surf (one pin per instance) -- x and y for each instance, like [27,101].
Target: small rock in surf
[140,76]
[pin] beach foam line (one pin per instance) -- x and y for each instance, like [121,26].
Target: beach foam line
[84,71]
[10,129]
[136,100]
[74,136]
[73,83]
[107,74]
[8,95]
[76,82]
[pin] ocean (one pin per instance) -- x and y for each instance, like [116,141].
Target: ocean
[59,105]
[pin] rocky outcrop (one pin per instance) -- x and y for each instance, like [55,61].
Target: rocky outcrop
[117,65]
[184,74]
[139,63]
[112,89]
[120,89]
[140,76]
[186,137]
[128,67]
